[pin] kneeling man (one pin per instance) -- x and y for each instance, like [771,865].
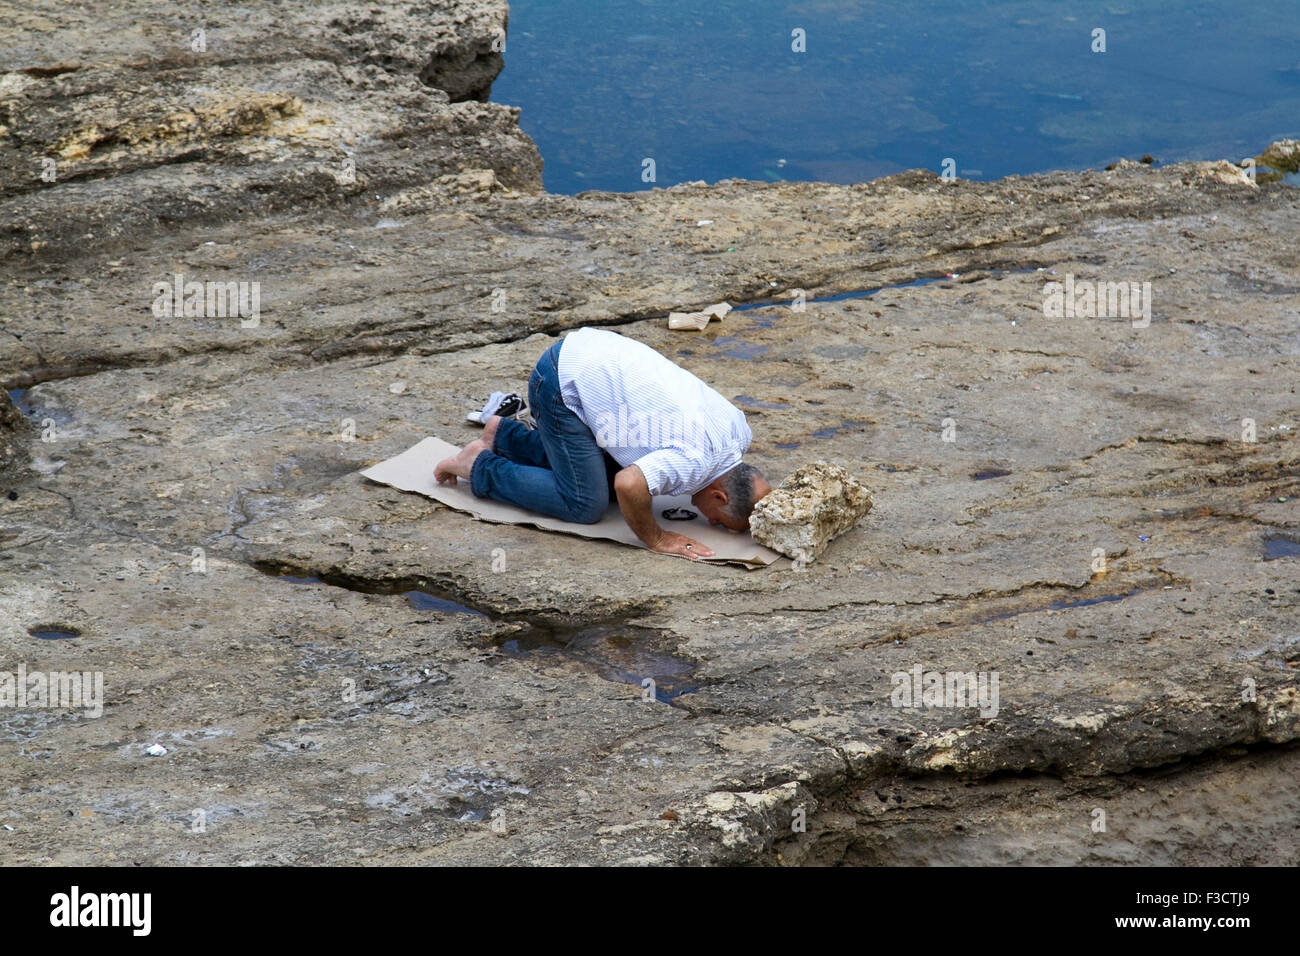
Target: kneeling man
[616,418]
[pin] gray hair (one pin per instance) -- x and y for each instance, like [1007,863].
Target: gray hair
[738,484]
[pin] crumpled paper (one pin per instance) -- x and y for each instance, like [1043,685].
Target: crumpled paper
[698,320]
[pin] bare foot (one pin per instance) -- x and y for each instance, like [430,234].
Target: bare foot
[490,430]
[459,464]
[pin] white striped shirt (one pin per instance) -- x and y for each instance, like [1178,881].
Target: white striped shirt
[647,411]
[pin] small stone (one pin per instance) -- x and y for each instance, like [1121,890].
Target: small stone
[157,750]
[811,507]
[1223,171]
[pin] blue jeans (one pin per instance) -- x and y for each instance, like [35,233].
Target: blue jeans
[556,469]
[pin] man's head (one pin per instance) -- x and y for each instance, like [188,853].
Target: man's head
[729,499]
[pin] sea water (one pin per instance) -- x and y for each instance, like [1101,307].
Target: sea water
[849,90]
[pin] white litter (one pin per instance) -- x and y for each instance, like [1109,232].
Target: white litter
[698,320]
[157,750]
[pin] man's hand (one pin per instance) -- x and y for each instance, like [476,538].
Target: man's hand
[670,542]
[634,501]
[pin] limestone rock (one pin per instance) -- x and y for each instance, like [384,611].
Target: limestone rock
[812,506]
[13,439]
[471,184]
[1283,154]
[1223,171]
[132,121]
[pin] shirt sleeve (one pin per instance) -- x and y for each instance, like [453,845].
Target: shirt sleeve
[669,471]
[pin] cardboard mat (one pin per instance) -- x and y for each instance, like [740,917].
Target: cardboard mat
[412,470]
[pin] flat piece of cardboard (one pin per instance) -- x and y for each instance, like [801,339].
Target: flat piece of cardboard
[412,470]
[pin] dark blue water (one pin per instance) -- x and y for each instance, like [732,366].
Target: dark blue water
[1280,547]
[19,397]
[420,600]
[54,634]
[712,91]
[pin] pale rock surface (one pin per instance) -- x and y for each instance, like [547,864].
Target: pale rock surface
[1283,154]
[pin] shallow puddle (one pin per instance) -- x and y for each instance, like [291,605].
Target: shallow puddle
[423,601]
[729,346]
[38,413]
[766,321]
[1060,604]
[420,600]
[750,402]
[626,654]
[836,429]
[54,632]
[1063,604]
[1280,547]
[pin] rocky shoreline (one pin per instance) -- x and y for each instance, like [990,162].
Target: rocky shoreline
[1074,504]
